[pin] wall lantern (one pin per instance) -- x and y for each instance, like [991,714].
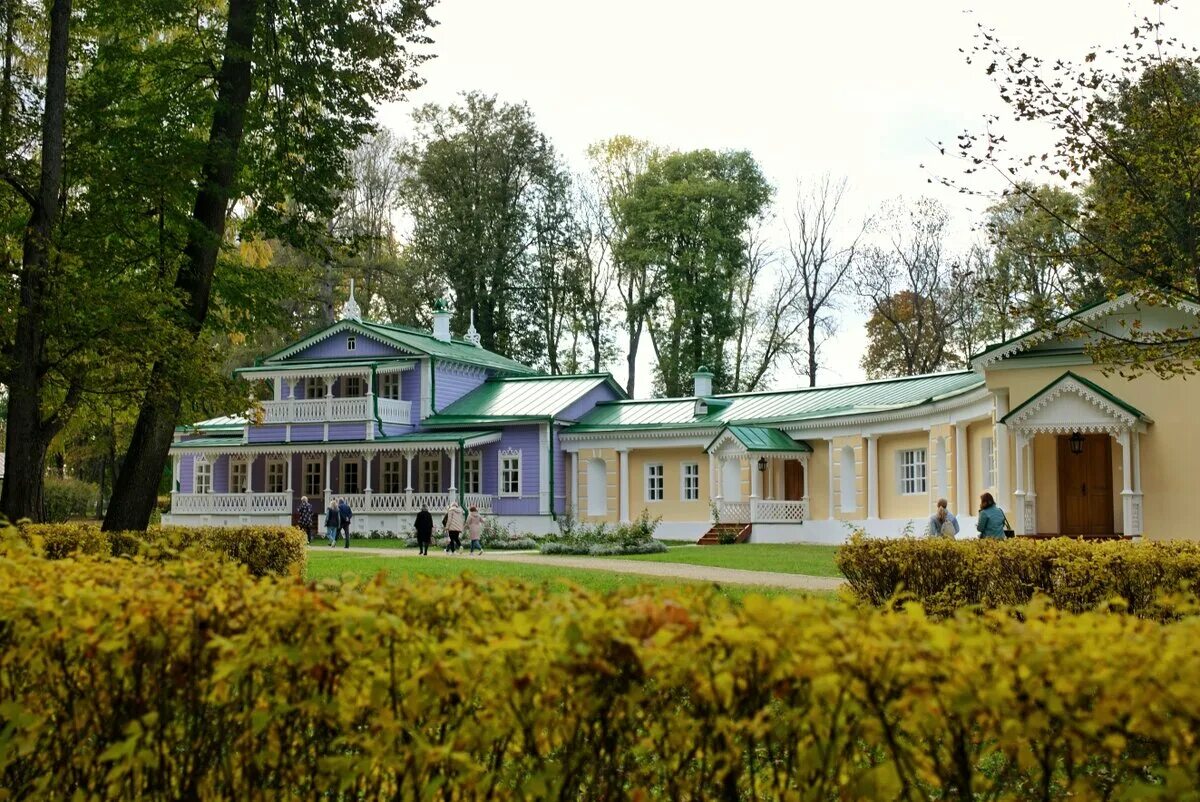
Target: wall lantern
[1077,443]
[762,464]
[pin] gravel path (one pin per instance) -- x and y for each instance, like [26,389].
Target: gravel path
[701,573]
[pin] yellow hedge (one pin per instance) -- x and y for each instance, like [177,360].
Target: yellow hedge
[277,550]
[945,575]
[190,679]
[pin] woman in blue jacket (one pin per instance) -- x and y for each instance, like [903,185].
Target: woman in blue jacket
[991,518]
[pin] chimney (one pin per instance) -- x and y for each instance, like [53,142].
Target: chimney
[441,321]
[703,379]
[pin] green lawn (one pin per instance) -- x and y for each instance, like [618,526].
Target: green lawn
[326,563]
[791,558]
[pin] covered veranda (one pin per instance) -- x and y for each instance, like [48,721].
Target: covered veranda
[777,468]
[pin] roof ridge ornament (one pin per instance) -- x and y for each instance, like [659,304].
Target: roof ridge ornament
[472,336]
[350,309]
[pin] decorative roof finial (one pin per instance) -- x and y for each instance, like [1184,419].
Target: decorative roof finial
[472,336]
[350,310]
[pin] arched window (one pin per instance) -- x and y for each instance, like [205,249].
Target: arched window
[849,486]
[597,487]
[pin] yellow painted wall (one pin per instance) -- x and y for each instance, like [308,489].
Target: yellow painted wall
[976,432]
[891,503]
[672,507]
[611,465]
[860,478]
[1168,448]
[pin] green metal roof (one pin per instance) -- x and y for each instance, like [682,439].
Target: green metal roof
[760,438]
[781,406]
[400,439]
[1132,410]
[231,424]
[518,398]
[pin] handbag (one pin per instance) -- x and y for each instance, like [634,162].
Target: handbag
[1008,532]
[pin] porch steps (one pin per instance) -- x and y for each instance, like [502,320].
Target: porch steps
[713,536]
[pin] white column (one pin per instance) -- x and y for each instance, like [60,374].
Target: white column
[719,477]
[277,385]
[1002,475]
[453,472]
[249,481]
[1019,491]
[623,462]
[1031,486]
[176,482]
[712,476]
[756,477]
[367,460]
[829,475]
[328,476]
[408,471]
[1124,438]
[290,458]
[1138,501]
[872,476]
[962,502]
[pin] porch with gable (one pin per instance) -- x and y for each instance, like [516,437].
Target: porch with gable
[767,454]
[1072,424]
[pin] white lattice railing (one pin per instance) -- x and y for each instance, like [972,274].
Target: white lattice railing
[394,410]
[232,503]
[410,502]
[735,512]
[316,410]
[773,511]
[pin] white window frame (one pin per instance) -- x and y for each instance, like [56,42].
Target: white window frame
[344,487]
[276,470]
[244,466]
[351,342]
[987,456]
[431,473]
[655,474]
[472,473]
[391,475]
[358,384]
[318,475]
[913,471]
[689,471]
[389,386]
[202,469]
[314,387]
[508,474]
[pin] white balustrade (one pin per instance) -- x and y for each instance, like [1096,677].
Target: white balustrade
[231,503]
[776,511]
[735,512]
[281,503]
[316,410]
[394,410]
[410,502]
[479,501]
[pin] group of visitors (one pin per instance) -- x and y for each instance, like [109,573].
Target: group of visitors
[991,523]
[337,520]
[453,524]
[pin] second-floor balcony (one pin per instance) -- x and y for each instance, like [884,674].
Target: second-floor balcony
[325,410]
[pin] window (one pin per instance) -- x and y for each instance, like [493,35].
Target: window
[314,387]
[313,486]
[654,483]
[276,476]
[350,477]
[350,343]
[510,473]
[988,454]
[912,471]
[472,474]
[431,474]
[202,476]
[239,473]
[352,387]
[691,482]
[389,386]
[393,477]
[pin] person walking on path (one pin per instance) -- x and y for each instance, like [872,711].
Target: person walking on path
[332,522]
[475,529]
[991,522]
[344,516]
[943,523]
[424,527]
[454,527]
[306,518]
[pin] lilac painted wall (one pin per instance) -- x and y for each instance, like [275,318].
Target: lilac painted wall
[267,434]
[451,381]
[525,439]
[187,465]
[306,433]
[335,347]
[220,474]
[410,390]
[347,431]
[585,403]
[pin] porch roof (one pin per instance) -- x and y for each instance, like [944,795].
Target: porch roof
[1099,403]
[759,438]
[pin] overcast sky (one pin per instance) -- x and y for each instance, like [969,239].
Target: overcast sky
[856,89]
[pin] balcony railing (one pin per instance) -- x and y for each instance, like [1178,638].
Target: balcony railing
[409,503]
[232,503]
[329,410]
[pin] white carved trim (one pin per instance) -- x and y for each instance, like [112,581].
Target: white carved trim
[339,328]
[509,453]
[1118,419]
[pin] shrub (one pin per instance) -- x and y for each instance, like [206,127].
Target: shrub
[69,498]
[945,575]
[632,538]
[277,550]
[190,679]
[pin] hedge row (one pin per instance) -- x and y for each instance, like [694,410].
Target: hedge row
[264,550]
[189,679]
[946,575]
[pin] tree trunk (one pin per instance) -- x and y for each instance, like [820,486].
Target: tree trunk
[631,363]
[812,348]
[136,489]
[28,435]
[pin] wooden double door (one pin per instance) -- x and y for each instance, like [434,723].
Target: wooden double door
[1085,486]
